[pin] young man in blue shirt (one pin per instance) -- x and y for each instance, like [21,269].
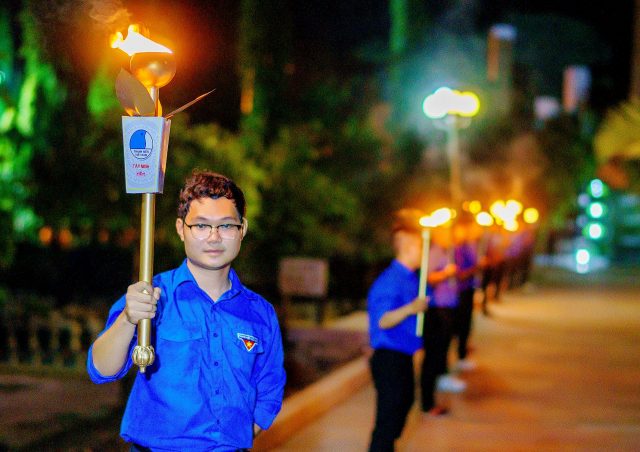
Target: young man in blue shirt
[218,377]
[392,304]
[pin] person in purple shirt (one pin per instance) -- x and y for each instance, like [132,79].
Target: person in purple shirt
[493,267]
[467,262]
[438,321]
[392,305]
[218,377]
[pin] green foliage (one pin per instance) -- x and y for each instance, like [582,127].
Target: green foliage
[41,91]
[617,140]
[306,212]
[101,98]
[570,164]
[619,133]
[264,51]
[28,102]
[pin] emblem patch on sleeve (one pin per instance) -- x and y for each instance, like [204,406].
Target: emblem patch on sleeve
[248,341]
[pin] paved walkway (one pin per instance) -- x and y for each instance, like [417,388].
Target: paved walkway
[558,369]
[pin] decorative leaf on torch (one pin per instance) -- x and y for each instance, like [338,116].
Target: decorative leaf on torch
[188,104]
[133,96]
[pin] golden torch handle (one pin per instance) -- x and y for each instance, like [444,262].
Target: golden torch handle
[143,354]
[424,271]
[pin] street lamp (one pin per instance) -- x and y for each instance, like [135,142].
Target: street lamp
[452,110]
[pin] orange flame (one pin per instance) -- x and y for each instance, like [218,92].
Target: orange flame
[437,218]
[136,43]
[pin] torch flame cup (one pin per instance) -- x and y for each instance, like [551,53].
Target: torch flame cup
[497,209]
[153,69]
[530,215]
[511,225]
[513,207]
[484,219]
[475,206]
[152,64]
[437,218]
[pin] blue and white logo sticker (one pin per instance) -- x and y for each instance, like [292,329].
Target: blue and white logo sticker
[141,144]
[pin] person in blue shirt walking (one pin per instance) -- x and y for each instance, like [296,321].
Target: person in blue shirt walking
[218,377]
[392,304]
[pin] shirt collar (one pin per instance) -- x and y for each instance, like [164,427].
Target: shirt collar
[183,275]
[236,285]
[401,267]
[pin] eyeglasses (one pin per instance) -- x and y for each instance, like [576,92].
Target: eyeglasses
[227,231]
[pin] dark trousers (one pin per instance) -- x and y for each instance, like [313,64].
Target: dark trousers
[438,327]
[492,276]
[464,318]
[392,373]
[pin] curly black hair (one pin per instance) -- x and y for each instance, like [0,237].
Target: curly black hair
[207,184]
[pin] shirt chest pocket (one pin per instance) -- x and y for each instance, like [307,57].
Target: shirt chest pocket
[179,350]
[246,350]
[186,331]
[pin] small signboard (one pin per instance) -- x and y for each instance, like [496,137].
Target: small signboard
[145,142]
[303,277]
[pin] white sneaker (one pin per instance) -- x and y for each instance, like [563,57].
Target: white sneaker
[449,383]
[465,365]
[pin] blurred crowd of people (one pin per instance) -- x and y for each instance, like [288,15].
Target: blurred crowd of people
[411,334]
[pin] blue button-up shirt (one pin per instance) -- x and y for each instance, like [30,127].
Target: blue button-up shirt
[396,286]
[218,368]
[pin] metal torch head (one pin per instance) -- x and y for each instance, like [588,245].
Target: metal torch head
[153,69]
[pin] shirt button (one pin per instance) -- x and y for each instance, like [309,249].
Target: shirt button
[216,364]
[215,334]
[217,391]
[218,421]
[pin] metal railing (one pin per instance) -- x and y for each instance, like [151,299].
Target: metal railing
[57,338]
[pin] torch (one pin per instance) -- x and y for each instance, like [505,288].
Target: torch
[436,218]
[512,209]
[485,220]
[145,138]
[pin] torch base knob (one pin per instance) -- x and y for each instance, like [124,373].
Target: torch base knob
[143,356]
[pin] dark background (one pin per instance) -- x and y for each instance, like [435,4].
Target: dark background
[331,32]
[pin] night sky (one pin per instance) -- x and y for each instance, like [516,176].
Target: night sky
[611,20]
[204,34]
[340,26]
